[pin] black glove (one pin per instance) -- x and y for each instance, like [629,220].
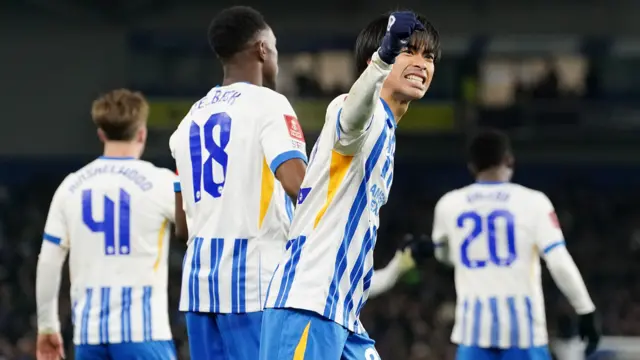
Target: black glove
[589,331]
[421,248]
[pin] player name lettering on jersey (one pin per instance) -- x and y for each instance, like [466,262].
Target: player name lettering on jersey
[130,173]
[113,215]
[328,262]
[227,150]
[228,96]
[496,233]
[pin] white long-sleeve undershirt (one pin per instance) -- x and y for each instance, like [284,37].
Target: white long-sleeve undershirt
[385,278]
[48,277]
[567,277]
[363,97]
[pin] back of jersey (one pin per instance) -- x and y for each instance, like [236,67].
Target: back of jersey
[496,233]
[227,150]
[113,215]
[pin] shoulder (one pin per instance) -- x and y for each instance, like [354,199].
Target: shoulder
[337,102]
[269,98]
[67,185]
[334,108]
[157,171]
[449,199]
[531,194]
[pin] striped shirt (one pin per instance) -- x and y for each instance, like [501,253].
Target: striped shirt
[227,150]
[496,233]
[328,263]
[113,217]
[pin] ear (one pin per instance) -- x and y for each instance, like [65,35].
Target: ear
[369,61]
[141,136]
[102,136]
[262,50]
[509,160]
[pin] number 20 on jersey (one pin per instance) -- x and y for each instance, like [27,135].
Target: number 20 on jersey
[484,232]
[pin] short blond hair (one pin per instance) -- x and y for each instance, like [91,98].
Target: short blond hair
[120,113]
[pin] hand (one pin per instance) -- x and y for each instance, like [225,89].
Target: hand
[401,26]
[589,331]
[49,347]
[416,249]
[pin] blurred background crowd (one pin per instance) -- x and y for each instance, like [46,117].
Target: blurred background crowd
[559,76]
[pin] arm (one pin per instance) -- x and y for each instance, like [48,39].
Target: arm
[48,277]
[363,96]
[563,269]
[181,227]
[290,174]
[566,275]
[384,279]
[283,145]
[360,104]
[50,261]
[439,234]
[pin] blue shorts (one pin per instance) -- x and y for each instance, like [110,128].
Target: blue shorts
[149,350]
[478,353]
[224,336]
[299,334]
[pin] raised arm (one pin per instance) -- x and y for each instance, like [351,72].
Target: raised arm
[365,92]
[361,102]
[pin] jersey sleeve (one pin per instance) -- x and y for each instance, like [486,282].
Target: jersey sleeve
[438,232]
[176,183]
[55,228]
[358,109]
[172,142]
[346,143]
[548,234]
[177,135]
[281,136]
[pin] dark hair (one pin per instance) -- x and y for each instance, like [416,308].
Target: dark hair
[488,149]
[232,29]
[370,39]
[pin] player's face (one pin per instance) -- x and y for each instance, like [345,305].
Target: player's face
[269,54]
[411,74]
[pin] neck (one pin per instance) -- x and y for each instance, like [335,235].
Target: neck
[122,149]
[398,107]
[235,73]
[493,175]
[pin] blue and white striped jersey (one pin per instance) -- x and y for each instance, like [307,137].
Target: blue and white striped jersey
[496,234]
[227,150]
[113,217]
[328,263]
